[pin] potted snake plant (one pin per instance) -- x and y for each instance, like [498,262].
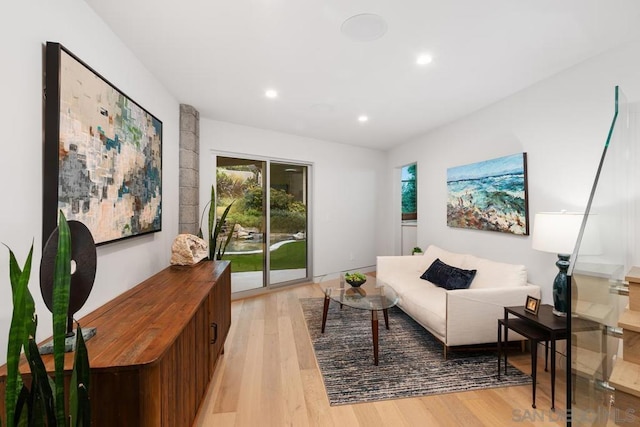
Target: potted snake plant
[217,246]
[43,403]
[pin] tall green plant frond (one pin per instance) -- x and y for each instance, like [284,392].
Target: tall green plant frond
[79,407]
[18,279]
[223,248]
[22,417]
[212,218]
[61,289]
[44,403]
[218,230]
[18,330]
[216,249]
[41,391]
[200,234]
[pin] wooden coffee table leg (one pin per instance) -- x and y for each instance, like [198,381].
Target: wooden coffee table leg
[324,312]
[386,317]
[374,331]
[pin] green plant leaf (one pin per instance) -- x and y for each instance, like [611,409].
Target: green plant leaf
[36,410]
[52,385]
[17,332]
[218,230]
[212,218]
[200,234]
[73,396]
[40,385]
[61,289]
[79,388]
[84,415]
[22,417]
[226,243]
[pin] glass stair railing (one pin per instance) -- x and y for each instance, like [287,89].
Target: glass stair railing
[604,380]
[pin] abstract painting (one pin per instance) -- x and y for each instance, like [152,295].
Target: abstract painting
[489,195]
[103,154]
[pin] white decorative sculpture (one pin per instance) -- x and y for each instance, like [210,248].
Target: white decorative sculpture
[188,249]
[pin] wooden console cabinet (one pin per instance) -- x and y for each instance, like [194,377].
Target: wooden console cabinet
[156,347]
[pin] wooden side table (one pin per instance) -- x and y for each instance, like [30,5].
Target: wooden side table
[544,327]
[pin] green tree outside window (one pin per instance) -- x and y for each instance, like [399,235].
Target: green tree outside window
[409,192]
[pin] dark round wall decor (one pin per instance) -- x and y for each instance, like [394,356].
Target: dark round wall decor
[83,268]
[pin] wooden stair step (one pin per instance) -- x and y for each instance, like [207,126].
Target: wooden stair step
[626,377]
[634,296]
[633,277]
[630,320]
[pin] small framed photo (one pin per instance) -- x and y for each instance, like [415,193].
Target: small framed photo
[532,305]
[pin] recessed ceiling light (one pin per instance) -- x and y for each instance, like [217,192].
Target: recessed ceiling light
[364,27]
[424,59]
[363,118]
[271,93]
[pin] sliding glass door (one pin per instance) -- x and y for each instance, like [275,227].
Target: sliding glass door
[267,220]
[287,222]
[240,183]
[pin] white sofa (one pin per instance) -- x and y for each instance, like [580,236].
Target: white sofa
[462,316]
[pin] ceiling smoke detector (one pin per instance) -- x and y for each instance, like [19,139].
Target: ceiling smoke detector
[364,27]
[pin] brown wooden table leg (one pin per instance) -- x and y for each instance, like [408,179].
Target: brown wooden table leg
[546,355]
[499,346]
[553,371]
[324,312]
[534,368]
[374,331]
[386,317]
[506,343]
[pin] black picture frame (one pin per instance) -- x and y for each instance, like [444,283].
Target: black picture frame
[532,305]
[102,154]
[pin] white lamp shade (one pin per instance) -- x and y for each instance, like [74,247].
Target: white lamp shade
[556,232]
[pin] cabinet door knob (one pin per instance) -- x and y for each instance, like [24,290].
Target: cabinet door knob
[214,326]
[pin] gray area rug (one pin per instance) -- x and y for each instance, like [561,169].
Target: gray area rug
[411,360]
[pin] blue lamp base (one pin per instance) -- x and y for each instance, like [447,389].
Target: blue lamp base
[560,303]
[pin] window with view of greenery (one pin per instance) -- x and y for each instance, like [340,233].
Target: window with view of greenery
[409,193]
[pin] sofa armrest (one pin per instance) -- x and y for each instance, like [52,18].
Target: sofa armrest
[387,266]
[472,314]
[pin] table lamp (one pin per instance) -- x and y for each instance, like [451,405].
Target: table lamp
[557,232]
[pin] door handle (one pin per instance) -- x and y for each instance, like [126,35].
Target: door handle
[214,326]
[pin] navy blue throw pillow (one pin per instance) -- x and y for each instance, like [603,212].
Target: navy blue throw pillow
[448,277]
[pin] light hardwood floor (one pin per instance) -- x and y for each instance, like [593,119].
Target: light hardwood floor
[268,376]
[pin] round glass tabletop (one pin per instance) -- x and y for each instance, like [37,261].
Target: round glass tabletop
[374,294]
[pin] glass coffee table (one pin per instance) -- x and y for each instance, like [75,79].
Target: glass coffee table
[374,295]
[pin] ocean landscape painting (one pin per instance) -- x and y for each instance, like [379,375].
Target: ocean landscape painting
[489,195]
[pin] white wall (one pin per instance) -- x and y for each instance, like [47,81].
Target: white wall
[25,29]
[347,187]
[561,122]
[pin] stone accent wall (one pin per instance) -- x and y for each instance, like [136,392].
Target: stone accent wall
[189,169]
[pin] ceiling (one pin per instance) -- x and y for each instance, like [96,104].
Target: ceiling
[221,56]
